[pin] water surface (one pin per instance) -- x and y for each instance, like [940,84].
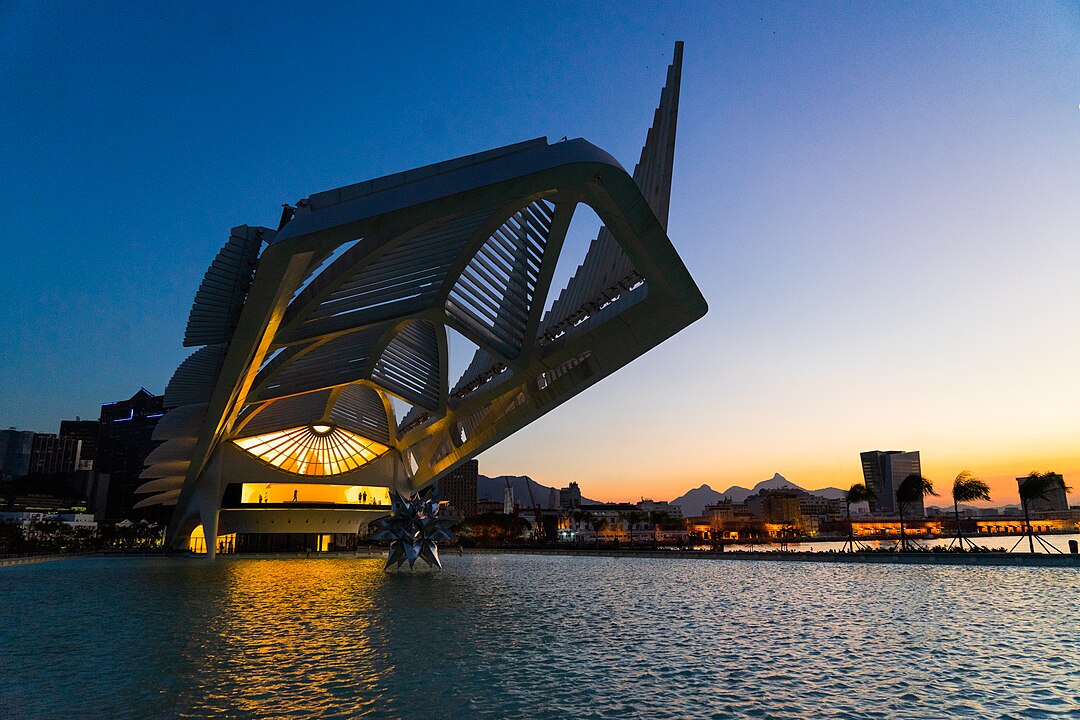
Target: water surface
[534,636]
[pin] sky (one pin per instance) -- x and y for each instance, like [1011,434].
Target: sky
[878,201]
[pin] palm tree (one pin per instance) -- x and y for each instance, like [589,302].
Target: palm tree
[912,490]
[599,525]
[1036,487]
[658,518]
[582,517]
[966,488]
[856,494]
[632,518]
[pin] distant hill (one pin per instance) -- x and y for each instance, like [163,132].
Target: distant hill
[694,501]
[491,488]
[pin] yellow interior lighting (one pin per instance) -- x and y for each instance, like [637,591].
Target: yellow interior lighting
[278,493]
[197,541]
[313,450]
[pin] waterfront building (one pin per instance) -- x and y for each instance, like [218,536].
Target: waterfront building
[613,520]
[889,527]
[1060,521]
[821,508]
[725,519]
[883,471]
[1055,498]
[308,334]
[458,490]
[741,527]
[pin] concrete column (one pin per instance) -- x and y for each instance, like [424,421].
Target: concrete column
[208,499]
[208,514]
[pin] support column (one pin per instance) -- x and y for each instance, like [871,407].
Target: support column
[208,514]
[208,499]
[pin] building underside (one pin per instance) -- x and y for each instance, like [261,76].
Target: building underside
[321,380]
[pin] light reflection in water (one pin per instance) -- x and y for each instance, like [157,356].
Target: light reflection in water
[292,637]
[535,637]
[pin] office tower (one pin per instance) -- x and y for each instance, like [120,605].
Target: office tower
[15,449]
[458,489]
[88,431]
[127,428]
[54,455]
[883,471]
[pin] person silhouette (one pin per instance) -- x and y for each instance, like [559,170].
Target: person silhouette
[294,495]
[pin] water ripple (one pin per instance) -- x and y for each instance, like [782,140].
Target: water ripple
[536,637]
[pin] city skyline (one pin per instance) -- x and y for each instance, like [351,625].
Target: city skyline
[878,203]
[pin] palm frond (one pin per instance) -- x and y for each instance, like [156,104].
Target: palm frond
[859,493]
[914,488]
[1038,485]
[968,488]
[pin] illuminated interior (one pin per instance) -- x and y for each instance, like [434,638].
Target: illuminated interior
[313,449]
[197,541]
[257,493]
[227,543]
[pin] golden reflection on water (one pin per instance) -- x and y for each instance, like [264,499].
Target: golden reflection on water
[291,637]
[492,637]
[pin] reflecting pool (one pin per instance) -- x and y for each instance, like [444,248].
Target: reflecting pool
[495,636]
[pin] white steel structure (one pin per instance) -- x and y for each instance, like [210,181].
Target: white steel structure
[310,330]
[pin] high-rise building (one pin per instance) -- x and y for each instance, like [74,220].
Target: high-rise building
[88,431]
[782,506]
[127,429]
[570,497]
[508,500]
[54,455]
[15,449]
[1055,498]
[883,471]
[458,489]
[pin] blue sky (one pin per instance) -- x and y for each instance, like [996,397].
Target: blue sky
[879,202]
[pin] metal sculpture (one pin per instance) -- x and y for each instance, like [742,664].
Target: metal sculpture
[414,529]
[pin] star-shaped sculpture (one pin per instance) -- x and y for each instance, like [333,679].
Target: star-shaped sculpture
[414,529]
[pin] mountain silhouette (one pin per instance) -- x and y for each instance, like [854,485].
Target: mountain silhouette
[492,488]
[693,502]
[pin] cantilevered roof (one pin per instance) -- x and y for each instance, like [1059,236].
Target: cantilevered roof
[344,310]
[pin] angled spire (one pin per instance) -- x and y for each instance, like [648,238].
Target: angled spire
[606,266]
[653,171]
